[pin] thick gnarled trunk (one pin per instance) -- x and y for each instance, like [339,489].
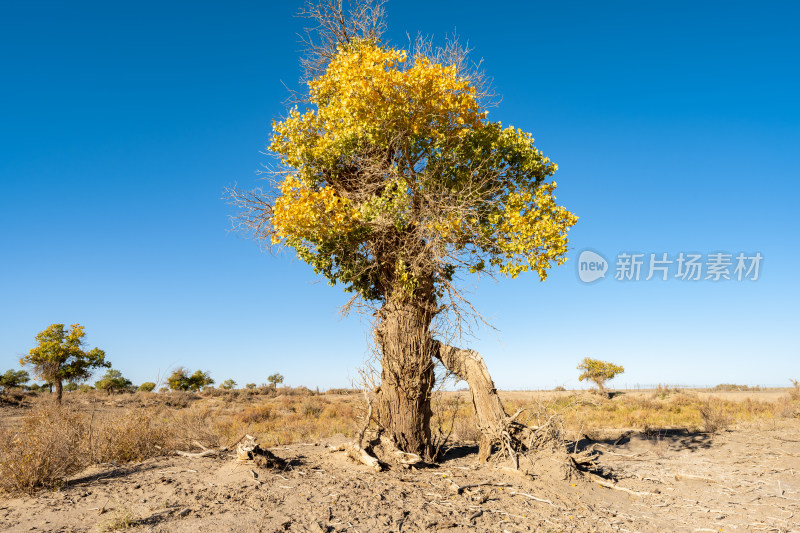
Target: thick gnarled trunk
[404,399]
[492,419]
[59,386]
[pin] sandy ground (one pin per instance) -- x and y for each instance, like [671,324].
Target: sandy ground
[741,480]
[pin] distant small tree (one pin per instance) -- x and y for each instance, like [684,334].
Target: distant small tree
[181,380]
[598,371]
[113,381]
[71,386]
[147,386]
[34,387]
[275,380]
[200,380]
[228,384]
[13,379]
[250,386]
[59,356]
[85,388]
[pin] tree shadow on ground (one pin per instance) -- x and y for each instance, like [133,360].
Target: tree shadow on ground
[458,451]
[115,473]
[676,439]
[680,439]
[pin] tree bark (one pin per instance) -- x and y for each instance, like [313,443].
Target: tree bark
[492,418]
[404,398]
[59,390]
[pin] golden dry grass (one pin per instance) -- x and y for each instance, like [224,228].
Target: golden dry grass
[49,444]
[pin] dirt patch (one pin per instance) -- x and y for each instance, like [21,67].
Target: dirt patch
[678,480]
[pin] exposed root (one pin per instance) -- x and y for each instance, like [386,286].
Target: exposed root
[358,454]
[401,457]
[249,452]
[539,443]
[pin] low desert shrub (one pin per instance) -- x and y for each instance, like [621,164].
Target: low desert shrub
[209,392]
[128,436]
[179,399]
[794,392]
[55,442]
[198,423]
[120,520]
[664,391]
[44,450]
[13,396]
[342,391]
[715,419]
[731,387]
[255,414]
[296,391]
[311,409]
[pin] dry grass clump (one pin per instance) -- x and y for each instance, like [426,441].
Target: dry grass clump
[715,418]
[14,397]
[134,435]
[286,419]
[43,451]
[55,442]
[199,423]
[790,404]
[179,399]
[311,409]
[678,409]
[121,519]
[794,392]
[255,414]
[665,391]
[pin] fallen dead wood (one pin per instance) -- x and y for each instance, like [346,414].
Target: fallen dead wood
[534,498]
[511,437]
[404,458]
[459,489]
[198,455]
[359,454]
[206,452]
[679,476]
[492,419]
[356,451]
[603,483]
[250,452]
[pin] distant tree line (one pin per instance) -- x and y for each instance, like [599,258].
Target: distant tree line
[60,359]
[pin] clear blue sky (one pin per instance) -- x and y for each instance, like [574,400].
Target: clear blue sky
[676,128]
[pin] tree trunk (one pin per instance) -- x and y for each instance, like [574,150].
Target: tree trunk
[404,398]
[59,390]
[492,419]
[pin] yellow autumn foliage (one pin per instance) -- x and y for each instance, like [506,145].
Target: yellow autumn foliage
[392,141]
